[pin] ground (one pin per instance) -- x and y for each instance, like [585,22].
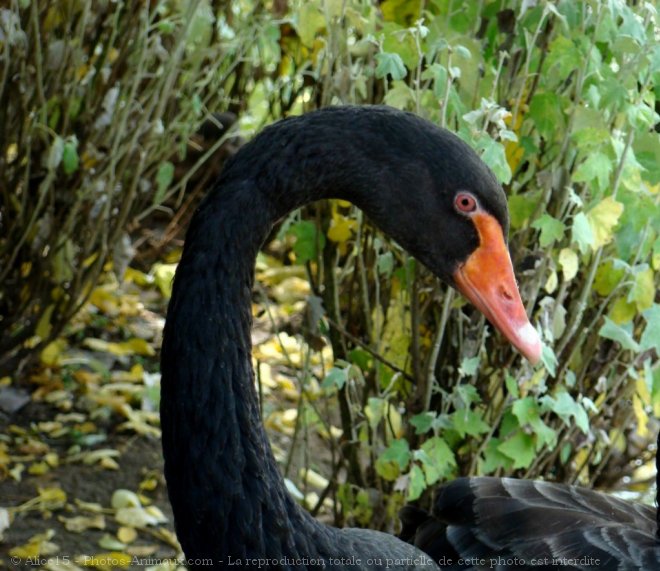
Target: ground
[81,468]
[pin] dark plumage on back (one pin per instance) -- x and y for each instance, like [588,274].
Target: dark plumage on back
[504,523]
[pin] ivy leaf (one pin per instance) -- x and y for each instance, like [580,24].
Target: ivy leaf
[390,64]
[551,229]
[603,218]
[620,333]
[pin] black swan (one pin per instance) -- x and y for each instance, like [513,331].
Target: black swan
[421,185]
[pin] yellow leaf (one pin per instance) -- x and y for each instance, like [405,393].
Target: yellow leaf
[105,299]
[568,260]
[313,478]
[643,292]
[291,290]
[79,524]
[133,346]
[137,277]
[51,354]
[126,534]
[603,218]
[12,153]
[607,278]
[641,416]
[551,283]
[52,496]
[622,311]
[38,469]
[341,228]
[163,276]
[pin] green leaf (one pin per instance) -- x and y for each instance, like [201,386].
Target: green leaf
[309,22]
[512,386]
[375,410]
[493,154]
[521,207]
[390,64]
[545,110]
[468,366]
[598,167]
[563,58]
[335,378]
[70,160]
[622,334]
[494,459]
[400,96]
[164,178]
[423,422]
[581,232]
[417,483]
[527,412]
[399,452]
[437,459]
[385,264]
[466,421]
[307,239]
[566,408]
[551,229]
[549,359]
[651,335]
[520,448]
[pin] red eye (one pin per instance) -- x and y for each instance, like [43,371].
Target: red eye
[465,202]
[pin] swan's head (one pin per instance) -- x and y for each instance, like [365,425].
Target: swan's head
[444,205]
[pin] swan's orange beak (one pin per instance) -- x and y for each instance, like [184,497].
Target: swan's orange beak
[486,279]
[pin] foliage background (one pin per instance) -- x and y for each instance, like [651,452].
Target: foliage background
[99,103]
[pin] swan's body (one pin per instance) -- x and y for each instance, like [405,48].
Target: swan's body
[418,183]
[507,524]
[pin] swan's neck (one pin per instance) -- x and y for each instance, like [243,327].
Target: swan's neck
[224,484]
